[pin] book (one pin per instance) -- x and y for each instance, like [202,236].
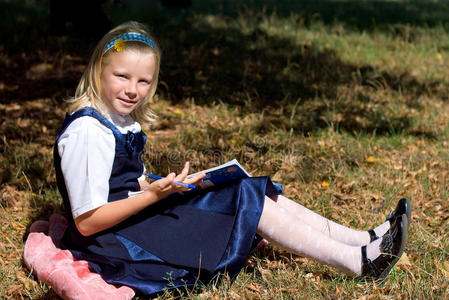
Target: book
[228,171]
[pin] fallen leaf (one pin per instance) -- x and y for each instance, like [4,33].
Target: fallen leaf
[309,275]
[253,287]
[12,289]
[8,88]
[290,290]
[179,112]
[444,268]
[38,71]
[265,272]
[370,159]
[403,262]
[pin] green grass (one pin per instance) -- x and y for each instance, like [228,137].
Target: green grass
[344,102]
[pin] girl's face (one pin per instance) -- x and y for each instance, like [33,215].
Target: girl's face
[126,79]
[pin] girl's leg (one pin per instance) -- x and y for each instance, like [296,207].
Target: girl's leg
[331,229]
[285,230]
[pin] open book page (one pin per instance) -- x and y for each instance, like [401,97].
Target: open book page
[228,171]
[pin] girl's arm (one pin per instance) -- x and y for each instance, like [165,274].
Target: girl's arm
[112,213]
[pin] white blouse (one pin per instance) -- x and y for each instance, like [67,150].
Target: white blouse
[87,150]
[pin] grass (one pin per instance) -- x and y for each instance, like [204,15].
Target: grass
[345,103]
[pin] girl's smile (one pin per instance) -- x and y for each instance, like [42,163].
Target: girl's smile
[126,79]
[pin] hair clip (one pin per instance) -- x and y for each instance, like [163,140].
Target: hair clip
[118,43]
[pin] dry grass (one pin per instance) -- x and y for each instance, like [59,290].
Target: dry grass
[348,115]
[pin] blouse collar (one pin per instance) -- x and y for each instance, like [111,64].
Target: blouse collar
[124,123]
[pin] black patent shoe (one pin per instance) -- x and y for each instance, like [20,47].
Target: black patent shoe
[404,206]
[391,248]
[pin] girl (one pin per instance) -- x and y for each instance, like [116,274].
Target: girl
[151,236]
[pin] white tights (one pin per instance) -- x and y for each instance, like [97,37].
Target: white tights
[298,230]
[333,230]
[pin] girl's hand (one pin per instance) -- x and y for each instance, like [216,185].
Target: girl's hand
[195,180]
[166,186]
[144,185]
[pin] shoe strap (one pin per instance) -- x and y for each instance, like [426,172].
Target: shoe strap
[364,258]
[372,235]
[368,266]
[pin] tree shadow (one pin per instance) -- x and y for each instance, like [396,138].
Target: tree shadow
[356,15]
[250,68]
[50,295]
[262,72]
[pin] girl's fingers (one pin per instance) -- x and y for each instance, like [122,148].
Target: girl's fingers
[182,176]
[167,181]
[167,184]
[175,186]
[195,179]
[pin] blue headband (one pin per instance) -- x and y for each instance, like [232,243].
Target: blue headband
[118,43]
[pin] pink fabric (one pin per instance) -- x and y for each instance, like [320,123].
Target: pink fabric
[70,278]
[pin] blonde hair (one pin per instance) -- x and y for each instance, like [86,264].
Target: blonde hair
[89,86]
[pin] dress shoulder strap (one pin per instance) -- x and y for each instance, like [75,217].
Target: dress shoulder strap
[91,112]
[125,143]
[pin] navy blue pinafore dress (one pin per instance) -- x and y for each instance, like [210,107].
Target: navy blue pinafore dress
[182,241]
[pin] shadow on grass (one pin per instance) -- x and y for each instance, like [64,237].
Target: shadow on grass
[50,295]
[364,15]
[243,66]
[261,72]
